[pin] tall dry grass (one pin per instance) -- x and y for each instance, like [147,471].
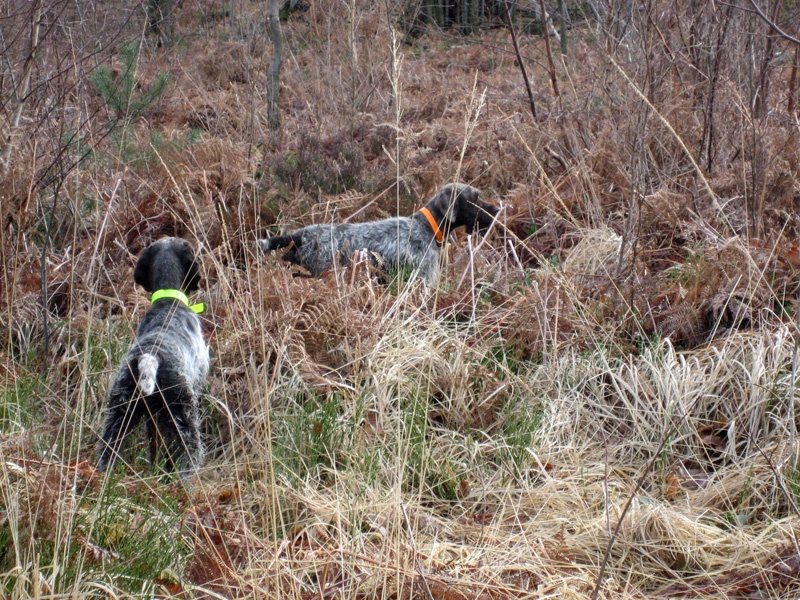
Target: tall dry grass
[596,401]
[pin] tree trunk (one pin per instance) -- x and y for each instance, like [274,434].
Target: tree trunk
[160,20]
[22,91]
[761,102]
[274,71]
[436,12]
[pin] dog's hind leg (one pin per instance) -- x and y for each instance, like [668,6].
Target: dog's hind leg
[179,427]
[123,413]
[155,443]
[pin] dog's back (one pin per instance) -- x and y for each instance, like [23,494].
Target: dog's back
[318,247]
[170,336]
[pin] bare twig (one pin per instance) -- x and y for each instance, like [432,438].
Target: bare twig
[772,24]
[30,61]
[274,72]
[792,424]
[714,200]
[519,60]
[548,51]
[708,131]
[371,202]
[792,83]
[563,15]
[636,193]
[639,483]
[417,562]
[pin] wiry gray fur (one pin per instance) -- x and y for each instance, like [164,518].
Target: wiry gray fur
[163,374]
[401,242]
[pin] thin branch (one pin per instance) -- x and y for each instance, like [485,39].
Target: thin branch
[792,424]
[639,483]
[714,200]
[417,562]
[519,60]
[274,72]
[551,64]
[36,22]
[772,24]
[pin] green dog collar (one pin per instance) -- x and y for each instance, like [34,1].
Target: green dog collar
[178,295]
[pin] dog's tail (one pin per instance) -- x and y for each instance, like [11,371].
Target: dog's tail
[273,243]
[148,367]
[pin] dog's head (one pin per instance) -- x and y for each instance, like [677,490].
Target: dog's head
[460,204]
[168,263]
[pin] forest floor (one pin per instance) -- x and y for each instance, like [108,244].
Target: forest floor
[597,400]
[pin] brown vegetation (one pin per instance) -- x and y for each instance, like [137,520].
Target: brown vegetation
[607,379]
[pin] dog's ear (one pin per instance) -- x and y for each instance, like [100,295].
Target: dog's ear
[191,280]
[144,267]
[441,204]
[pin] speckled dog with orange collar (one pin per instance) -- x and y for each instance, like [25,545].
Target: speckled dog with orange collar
[400,242]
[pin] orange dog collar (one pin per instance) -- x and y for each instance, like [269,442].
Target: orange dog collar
[432,222]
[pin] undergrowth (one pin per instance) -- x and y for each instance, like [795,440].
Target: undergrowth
[596,400]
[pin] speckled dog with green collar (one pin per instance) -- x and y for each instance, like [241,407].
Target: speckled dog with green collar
[163,374]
